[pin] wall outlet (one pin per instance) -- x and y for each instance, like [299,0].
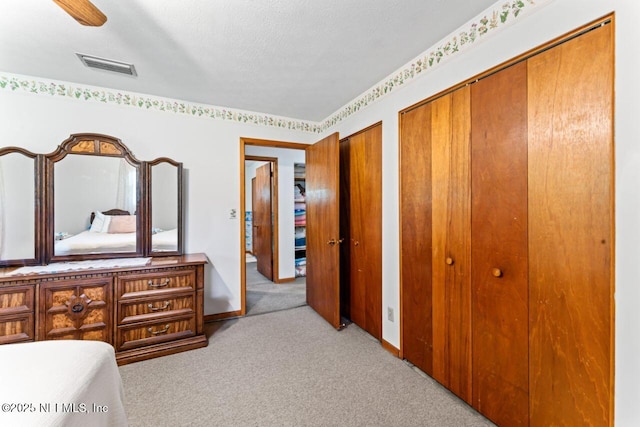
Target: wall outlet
[390,314]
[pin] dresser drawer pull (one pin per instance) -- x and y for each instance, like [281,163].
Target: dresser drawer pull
[161,331]
[166,305]
[158,285]
[77,307]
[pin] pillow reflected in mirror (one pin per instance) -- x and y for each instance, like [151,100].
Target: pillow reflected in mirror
[122,224]
[101,223]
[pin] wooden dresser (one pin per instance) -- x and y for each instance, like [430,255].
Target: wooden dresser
[144,312]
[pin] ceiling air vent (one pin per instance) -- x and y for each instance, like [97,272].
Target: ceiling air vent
[107,64]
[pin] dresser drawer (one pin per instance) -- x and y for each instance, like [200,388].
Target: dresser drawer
[77,309]
[150,333]
[18,299]
[130,311]
[16,328]
[158,283]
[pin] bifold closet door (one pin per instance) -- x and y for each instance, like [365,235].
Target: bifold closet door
[451,235]
[571,231]
[415,237]
[361,228]
[499,269]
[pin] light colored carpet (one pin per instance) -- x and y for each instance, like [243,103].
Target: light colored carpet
[288,368]
[263,296]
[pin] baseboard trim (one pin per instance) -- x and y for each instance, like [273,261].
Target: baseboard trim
[221,316]
[390,348]
[286,279]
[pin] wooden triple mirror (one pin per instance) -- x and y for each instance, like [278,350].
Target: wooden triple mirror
[89,199]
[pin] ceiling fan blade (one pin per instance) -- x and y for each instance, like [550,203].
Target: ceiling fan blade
[83,11]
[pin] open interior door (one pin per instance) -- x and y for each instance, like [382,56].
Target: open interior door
[262,223]
[323,228]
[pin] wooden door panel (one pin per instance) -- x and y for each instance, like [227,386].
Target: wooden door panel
[263,221]
[253,216]
[361,189]
[323,226]
[415,237]
[370,213]
[347,300]
[451,256]
[499,246]
[571,232]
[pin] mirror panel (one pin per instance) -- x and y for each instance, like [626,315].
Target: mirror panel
[88,186]
[17,207]
[165,206]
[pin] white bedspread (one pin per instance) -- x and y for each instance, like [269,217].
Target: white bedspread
[165,240]
[89,242]
[43,383]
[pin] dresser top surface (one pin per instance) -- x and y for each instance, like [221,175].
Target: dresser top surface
[8,275]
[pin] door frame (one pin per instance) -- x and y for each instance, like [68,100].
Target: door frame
[275,260]
[243,272]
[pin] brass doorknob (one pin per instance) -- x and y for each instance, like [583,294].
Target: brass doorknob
[356,243]
[496,272]
[449,261]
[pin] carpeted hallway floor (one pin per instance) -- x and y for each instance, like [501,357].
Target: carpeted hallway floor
[288,368]
[264,296]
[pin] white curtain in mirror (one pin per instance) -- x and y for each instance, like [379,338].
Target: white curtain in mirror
[17,207]
[126,197]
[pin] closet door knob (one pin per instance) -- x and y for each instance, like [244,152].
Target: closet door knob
[449,261]
[356,243]
[496,272]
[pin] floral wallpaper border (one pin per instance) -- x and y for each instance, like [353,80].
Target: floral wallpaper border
[473,31]
[503,13]
[106,96]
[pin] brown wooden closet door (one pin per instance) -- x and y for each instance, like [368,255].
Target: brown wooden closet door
[361,189]
[262,221]
[323,228]
[499,246]
[571,232]
[451,210]
[415,237]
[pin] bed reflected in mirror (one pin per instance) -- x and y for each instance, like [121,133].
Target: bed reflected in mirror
[95,205]
[165,205]
[17,206]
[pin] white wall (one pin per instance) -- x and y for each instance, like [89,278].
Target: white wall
[84,184]
[286,228]
[164,196]
[542,25]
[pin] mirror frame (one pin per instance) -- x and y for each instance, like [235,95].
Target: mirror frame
[92,144]
[38,172]
[149,216]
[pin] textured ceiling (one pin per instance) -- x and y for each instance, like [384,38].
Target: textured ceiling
[302,59]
